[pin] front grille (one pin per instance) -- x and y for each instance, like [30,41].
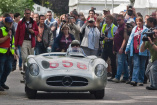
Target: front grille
[70,81]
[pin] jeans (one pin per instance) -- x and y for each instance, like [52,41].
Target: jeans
[130,64]
[5,67]
[138,68]
[151,72]
[20,57]
[122,66]
[40,48]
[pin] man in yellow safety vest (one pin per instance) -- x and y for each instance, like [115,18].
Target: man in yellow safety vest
[108,32]
[7,52]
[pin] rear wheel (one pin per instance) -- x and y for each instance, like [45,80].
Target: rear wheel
[99,94]
[31,93]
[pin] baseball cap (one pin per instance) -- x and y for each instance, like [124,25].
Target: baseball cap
[105,9]
[8,19]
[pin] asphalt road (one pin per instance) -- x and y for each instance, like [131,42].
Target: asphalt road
[115,94]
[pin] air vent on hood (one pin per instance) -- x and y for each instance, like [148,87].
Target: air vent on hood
[45,64]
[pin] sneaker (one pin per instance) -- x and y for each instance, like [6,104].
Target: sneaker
[151,88]
[1,88]
[22,81]
[123,80]
[5,86]
[115,80]
[140,84]
[133,83]
[22,72]
[111,79]
[128,82]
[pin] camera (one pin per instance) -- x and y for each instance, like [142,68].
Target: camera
[64,21]
[130,12]
[27,31]
[70,17]
[149,33]
[130,6]
[90,21]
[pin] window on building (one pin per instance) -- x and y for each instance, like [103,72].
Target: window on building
[38,8]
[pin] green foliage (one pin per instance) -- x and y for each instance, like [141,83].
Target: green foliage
[57,6]
[13,6]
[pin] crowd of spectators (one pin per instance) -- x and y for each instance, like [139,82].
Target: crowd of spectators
[116,38]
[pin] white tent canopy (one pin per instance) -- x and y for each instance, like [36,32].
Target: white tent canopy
[118,9]
[145,7]
[85,5]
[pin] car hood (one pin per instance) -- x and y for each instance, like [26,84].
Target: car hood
[63,63]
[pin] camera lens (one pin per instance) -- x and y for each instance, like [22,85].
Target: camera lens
[130,12]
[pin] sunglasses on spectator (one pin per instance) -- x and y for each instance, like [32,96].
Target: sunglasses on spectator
[75,45]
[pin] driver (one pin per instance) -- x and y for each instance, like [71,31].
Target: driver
[75,47]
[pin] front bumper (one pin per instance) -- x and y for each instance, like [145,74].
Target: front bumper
[40,82]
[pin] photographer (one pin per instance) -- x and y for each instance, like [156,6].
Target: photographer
[90,42]
[150,23]
[74,29]
[127,31]
[151,71]
[131,13]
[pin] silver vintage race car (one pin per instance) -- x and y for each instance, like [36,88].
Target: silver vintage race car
[72,71]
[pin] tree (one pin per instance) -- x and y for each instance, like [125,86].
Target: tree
[58,6]
[13,6]
[44,3]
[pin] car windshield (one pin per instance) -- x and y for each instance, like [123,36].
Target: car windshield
[78,52]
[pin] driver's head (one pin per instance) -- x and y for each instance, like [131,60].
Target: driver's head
[75,43]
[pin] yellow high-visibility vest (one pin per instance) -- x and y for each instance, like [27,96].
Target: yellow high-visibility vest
[103,30]
[12,49]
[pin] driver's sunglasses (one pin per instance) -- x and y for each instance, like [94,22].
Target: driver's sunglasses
[75,45]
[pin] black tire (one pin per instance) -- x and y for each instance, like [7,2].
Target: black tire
[99,94]
[31,94]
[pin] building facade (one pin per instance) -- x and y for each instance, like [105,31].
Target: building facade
[85,5]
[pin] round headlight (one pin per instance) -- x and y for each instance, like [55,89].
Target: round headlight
[99,70]
[34,69]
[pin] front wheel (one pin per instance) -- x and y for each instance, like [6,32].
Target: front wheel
[31,93]
[99,94]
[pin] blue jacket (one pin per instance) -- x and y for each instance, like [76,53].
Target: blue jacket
[130,45]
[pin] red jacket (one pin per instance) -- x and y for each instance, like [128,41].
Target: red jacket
[20,32]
